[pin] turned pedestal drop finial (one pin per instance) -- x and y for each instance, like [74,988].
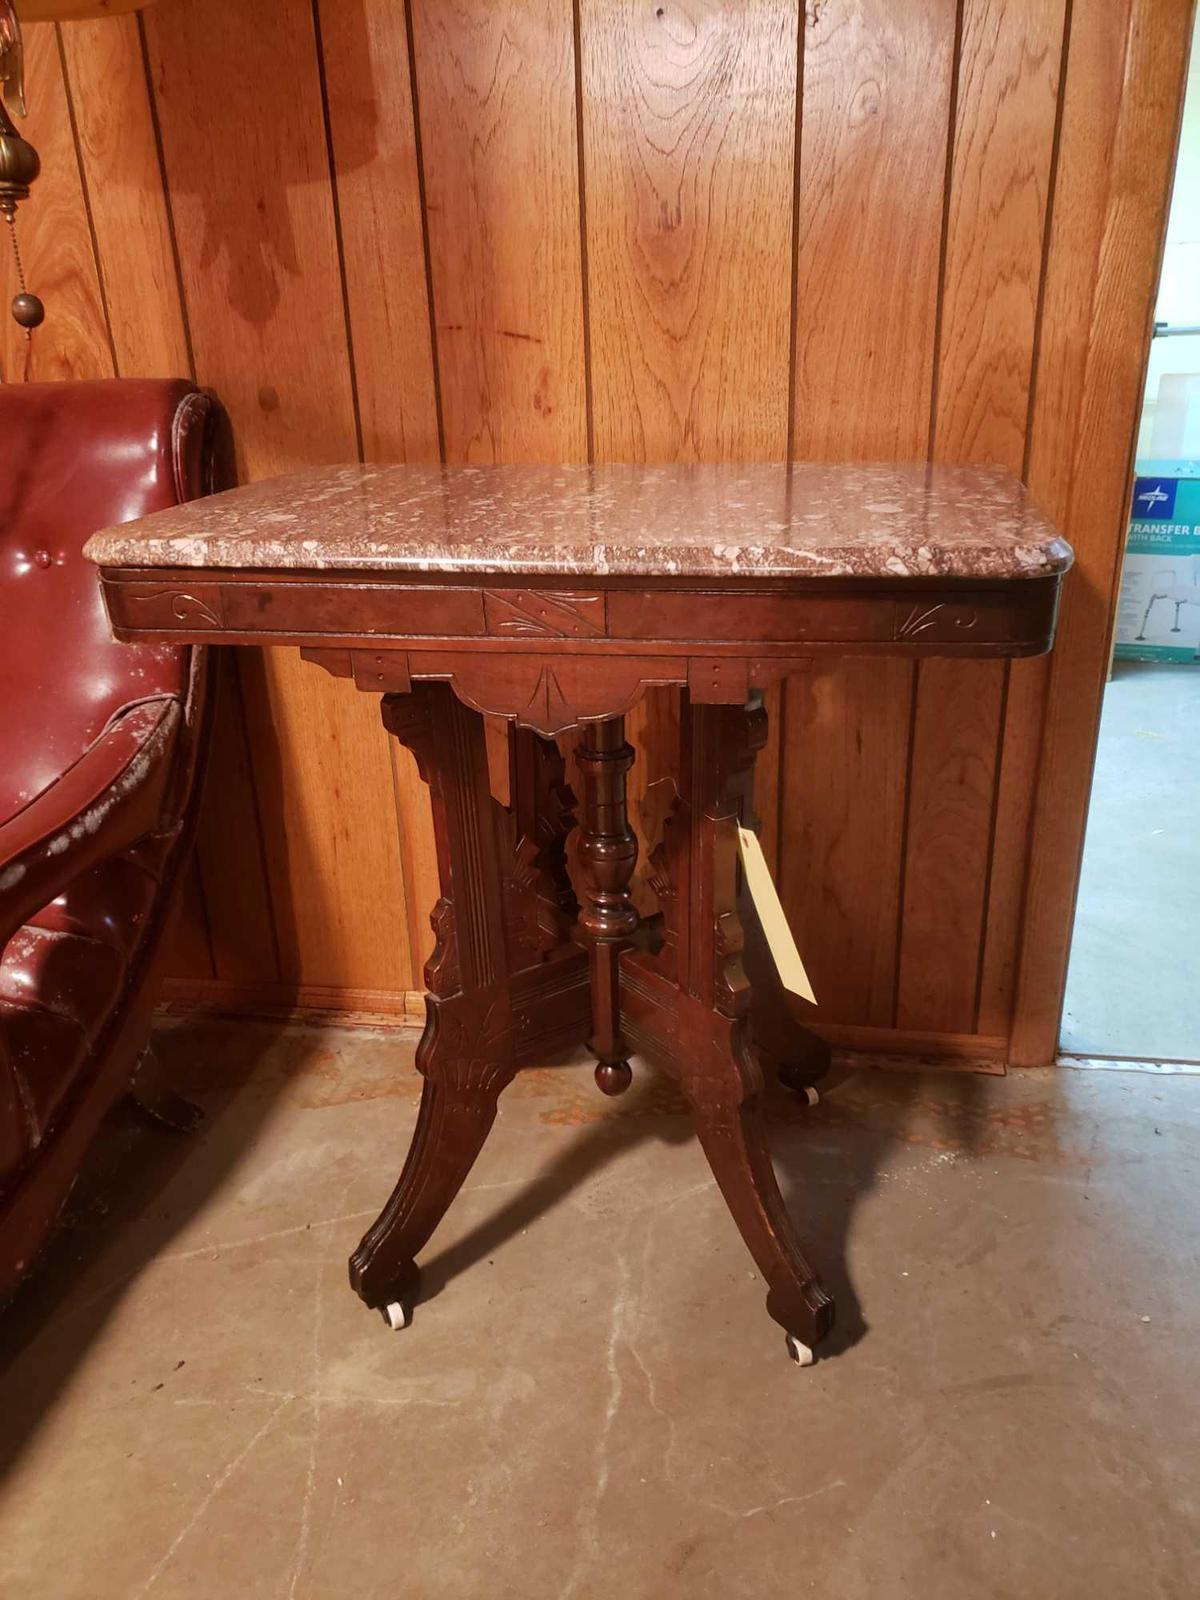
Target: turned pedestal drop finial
[608,854]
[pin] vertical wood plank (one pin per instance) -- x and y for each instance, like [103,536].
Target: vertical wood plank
[229,847]
[186,951]
[240,110]
[1117,145]
[951,792]
[496,88]
[107,80]
[322,767]
[1009,60]
[239,106]
[1016,790]
[877,82]
[876,111]
[846,748]
[689,140]
[369,94]
[55,239]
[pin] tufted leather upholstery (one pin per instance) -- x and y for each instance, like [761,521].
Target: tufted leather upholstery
[99,753]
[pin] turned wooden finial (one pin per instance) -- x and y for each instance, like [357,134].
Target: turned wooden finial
[608,854]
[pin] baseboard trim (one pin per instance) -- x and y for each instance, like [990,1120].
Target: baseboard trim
[969,1052]
[304,1002]
[399,1008]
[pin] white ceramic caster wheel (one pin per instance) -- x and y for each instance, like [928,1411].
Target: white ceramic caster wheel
[396,1315]
[800,1353]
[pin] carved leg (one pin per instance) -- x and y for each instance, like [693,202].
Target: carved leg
[800,1057]
[466,1058]
[608,854]
[160,1100]
[718,1066]
[551,1004]
[723,1083]
[466,1054]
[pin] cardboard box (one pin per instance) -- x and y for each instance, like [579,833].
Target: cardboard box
[1158,614]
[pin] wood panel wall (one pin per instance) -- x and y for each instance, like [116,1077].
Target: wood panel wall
[641,230]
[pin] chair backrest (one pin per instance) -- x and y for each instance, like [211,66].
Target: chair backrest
[75,457]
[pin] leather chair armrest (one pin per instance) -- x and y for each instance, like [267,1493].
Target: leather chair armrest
[107,801]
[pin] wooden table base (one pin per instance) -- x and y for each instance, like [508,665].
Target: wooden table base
[520,970]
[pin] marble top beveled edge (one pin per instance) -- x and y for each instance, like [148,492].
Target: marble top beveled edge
[759,520]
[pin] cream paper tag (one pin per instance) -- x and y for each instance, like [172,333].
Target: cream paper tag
[770,913]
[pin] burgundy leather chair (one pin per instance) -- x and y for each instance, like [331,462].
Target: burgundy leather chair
[101,750]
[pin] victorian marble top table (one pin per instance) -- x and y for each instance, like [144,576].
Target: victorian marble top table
[553,596]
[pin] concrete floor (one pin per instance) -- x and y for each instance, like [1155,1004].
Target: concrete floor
[591,1402]
[1132,988]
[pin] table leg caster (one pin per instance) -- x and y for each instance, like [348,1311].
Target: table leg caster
[396,1314]
[792,1078]
[800,1353]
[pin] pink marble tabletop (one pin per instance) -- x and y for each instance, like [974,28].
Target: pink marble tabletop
[762,520]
